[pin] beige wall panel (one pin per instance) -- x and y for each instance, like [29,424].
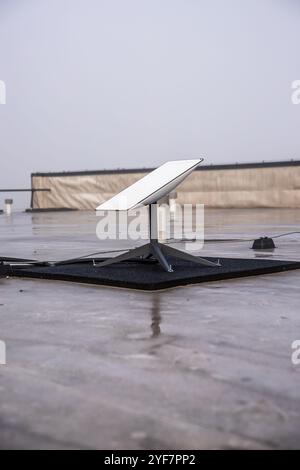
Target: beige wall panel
[254,187]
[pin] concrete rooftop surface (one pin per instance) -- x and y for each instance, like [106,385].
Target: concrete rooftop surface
[200,367]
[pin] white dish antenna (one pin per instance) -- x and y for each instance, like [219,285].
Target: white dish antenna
[151,187]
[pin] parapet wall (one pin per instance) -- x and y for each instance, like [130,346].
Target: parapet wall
[275,184]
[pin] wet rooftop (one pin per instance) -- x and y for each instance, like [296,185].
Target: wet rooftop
[205,366]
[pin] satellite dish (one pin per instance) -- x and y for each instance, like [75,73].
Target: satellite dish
[151,187]
[146,192]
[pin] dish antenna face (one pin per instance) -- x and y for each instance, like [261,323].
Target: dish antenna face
[146,192]
[151,187]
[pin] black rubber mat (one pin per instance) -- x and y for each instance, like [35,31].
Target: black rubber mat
[150,276]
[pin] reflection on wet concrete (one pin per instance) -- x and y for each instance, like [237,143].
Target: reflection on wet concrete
[263,254]
[155,316]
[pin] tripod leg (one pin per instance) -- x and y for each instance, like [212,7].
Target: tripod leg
[137,252]
[187,256]
[157,253]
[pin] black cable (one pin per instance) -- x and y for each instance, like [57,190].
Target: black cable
[284,234]
[209,240]
[229,240]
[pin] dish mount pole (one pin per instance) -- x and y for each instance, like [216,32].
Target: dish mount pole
[155,247]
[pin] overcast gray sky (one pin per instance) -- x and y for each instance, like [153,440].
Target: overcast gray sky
[95,84]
